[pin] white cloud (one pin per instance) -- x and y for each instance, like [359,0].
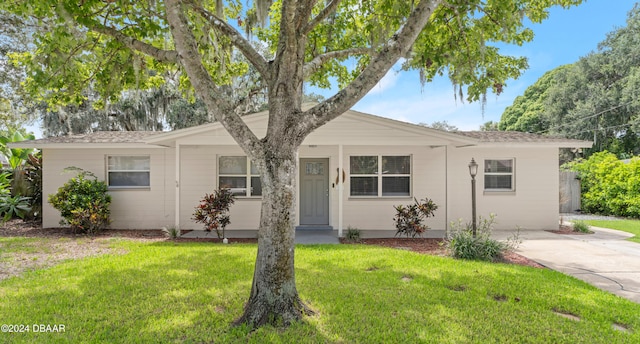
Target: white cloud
[387,82]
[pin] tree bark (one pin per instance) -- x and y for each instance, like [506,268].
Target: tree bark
[274,298]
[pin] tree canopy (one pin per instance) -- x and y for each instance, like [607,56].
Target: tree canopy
[595,98]
[115,45]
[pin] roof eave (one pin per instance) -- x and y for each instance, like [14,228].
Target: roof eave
[85,145]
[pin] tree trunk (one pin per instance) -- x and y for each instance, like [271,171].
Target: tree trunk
[274,298]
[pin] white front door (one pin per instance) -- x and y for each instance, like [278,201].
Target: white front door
[314,192]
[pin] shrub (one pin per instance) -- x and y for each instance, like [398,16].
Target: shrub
[213,211]
[353,234]
[581,226]
[462,245]
[17,206]
[83,202]
[171,232]
[409,219]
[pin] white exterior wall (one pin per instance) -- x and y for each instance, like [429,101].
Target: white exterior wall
[199,176]
[534,204]
[427,181]
[150,208]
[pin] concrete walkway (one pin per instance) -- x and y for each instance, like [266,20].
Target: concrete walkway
[604,259]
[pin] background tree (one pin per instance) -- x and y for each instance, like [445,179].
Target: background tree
[440,125]
[595,98]
[116,45]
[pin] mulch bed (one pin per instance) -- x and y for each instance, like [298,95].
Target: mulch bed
[567,230]
[18,228]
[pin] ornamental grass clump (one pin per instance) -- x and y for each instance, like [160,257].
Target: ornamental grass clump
[463,245]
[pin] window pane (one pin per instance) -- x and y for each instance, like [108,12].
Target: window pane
[498,166]
[395,186]
[133,179]
[364,186]
[364,164]
[254,169]
[124,163]
[237,185]
[256,186]
[396,165]
[498,182]
[232,165]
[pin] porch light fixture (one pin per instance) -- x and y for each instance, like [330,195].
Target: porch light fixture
[473,171]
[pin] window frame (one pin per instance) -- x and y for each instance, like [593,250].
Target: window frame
[380,175]
[512,174]
[248,175]
[126,187]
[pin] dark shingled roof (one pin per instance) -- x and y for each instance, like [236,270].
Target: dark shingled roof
[101,137]
[513,136]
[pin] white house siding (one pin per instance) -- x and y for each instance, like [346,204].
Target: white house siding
[199,176]
[150,208]
[427,181]
[532,205]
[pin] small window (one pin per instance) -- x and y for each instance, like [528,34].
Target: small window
[237,174]
[128,171]
[498,174]
[380,176]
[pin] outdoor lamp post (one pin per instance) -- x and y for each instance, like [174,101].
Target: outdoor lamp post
[473,171]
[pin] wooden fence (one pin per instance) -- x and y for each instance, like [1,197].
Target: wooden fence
[569,192]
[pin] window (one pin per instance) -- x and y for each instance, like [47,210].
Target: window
[128,171]
[498,174]
[239,175]
[374,175]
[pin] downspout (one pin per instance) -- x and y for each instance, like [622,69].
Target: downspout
[446,187]
[340,190]
[177,205]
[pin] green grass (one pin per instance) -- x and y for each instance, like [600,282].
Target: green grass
[191,292]
[629,226]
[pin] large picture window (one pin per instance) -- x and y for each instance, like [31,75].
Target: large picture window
[498,174]
[380,175]
[239,175]
[129,171]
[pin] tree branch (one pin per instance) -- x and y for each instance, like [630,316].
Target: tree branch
[168,56]
[317,62]
[202,82]
[245,47]
[328,10]
[397,46]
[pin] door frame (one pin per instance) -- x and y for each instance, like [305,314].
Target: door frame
[299,189]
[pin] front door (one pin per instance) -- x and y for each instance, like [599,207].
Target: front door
[314,191]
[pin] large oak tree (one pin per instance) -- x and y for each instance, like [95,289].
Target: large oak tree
[119,44]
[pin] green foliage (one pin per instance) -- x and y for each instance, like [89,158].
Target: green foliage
[83,202]
[16,206]
[171,232]
[463,245]
[353,234]
[16,156]
[608,185]
[592,99]
[213,211]
[581,226]
[409,220]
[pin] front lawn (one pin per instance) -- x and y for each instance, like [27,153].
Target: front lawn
[630,226]
[191,292]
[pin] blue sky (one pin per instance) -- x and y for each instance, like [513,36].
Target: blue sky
[563,38]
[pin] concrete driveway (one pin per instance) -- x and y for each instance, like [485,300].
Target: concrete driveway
[604,259]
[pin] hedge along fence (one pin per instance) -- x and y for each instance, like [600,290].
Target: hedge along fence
[609,186]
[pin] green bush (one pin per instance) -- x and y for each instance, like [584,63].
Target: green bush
[17,206]
[213,211]
[83,202]
[581,226]
[409,219]
[462,245]
[353,234]
[609,186]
